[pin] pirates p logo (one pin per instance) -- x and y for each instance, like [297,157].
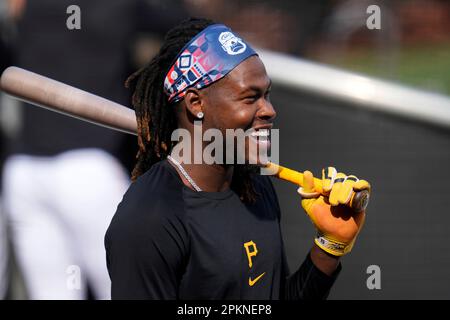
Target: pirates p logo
[251,250]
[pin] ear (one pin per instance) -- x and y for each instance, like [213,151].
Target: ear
[194,101]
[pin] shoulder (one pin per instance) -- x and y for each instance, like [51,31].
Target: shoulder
[153,204]
[159,185]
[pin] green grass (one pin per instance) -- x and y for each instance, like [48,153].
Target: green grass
[426,67]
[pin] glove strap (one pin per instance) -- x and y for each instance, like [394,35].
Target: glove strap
[331,246]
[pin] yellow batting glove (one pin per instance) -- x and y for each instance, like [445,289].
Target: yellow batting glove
[337,224]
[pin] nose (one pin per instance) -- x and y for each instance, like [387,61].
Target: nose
[266,111]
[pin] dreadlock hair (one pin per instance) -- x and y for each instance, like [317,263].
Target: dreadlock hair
[157,118]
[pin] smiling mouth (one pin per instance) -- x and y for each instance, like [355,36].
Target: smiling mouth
[261,133]
[261,138]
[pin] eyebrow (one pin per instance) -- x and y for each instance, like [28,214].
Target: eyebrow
[256,88]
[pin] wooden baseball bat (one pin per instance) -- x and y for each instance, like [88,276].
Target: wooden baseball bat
[57,96]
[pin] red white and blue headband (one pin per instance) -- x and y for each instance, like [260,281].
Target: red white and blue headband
[208,57]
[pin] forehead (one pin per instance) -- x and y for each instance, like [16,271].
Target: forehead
[248,74]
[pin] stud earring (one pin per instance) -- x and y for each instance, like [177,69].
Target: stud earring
[200,115]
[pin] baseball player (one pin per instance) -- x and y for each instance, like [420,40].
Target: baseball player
[212,231]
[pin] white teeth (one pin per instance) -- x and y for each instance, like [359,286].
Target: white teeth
[261,133]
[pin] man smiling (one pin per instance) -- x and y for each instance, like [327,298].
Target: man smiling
[189,230]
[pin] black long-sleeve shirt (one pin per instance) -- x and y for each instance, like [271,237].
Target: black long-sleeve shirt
[167,241]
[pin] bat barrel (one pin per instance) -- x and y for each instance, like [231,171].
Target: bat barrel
[56,96]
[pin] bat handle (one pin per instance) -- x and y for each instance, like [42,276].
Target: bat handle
[358,202]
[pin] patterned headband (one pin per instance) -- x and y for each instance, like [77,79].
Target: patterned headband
[208,57]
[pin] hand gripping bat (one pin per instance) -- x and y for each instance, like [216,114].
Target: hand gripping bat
[59,97]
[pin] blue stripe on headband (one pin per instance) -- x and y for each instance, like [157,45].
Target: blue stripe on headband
[208,57]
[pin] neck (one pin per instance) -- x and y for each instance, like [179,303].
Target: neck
[210,177]
[207,177]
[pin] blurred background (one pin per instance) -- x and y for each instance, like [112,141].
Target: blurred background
[404,154]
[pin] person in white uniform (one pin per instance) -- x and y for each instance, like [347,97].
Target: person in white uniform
[63,181]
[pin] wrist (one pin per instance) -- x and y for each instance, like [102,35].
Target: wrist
[324,261]
[332,246]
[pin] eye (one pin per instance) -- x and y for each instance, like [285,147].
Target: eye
[251,99]
[267,95]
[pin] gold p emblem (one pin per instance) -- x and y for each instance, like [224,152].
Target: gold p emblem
[251,250]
